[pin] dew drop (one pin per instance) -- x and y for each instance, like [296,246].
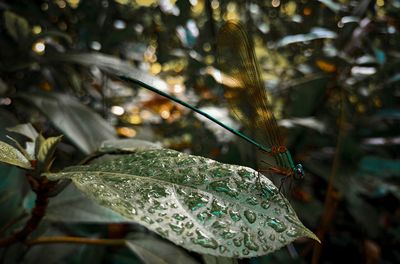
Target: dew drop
[162,232]
[265,205]
[179,217]
[252,201]
[292,232]
[219,224]
[223,186]
[221,173]
[237,241]
[204,216]
[217,209]
[250,243]
[235,215]
[133,211]
[272,237]
[204,241]
[189,224]
[147,219]
[245,252]
[276,224]
[265,247]
[268,192]
[245,174]
[195,201]
[222,249]
[178,229]
[282,239]
[250,216]
[228,234]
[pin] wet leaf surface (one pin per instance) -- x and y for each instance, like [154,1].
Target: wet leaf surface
[195,202]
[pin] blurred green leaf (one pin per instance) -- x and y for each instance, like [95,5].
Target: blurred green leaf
[380,56]
[57,253]
[111,65]
[72,206]
[16,26]
[394,78]
[25,129]
[46,152]
[127,145]
[78,122]
[11,194]
[13,184]
[153,250]
[198,203]
[359,209]
[315,33]
[306,95]
[380,167]
[335,7]
[208,259]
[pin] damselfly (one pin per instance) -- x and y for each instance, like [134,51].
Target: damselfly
[238,61]
[248,97]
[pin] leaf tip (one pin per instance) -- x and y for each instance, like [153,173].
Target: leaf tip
[311,235]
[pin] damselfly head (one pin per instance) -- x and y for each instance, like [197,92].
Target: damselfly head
[299,172]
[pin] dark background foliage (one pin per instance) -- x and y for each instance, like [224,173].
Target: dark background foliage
[332,73]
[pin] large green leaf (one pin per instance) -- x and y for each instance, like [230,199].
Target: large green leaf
[79,123]
[198,203]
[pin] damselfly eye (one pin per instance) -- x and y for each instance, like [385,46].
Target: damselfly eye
[299,172]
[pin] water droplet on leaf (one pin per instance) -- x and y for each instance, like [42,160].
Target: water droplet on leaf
[235,215]
[250,216]
[276,224]
[204,241]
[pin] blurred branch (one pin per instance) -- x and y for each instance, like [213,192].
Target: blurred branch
[12,222]
[76,240]
[362,8]
[211,24]
[332,196]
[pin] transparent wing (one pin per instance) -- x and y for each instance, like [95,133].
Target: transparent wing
[246,94]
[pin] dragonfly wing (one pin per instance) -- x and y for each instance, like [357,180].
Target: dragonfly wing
[247,97]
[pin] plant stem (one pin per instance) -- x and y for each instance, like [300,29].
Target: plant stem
[41,187]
